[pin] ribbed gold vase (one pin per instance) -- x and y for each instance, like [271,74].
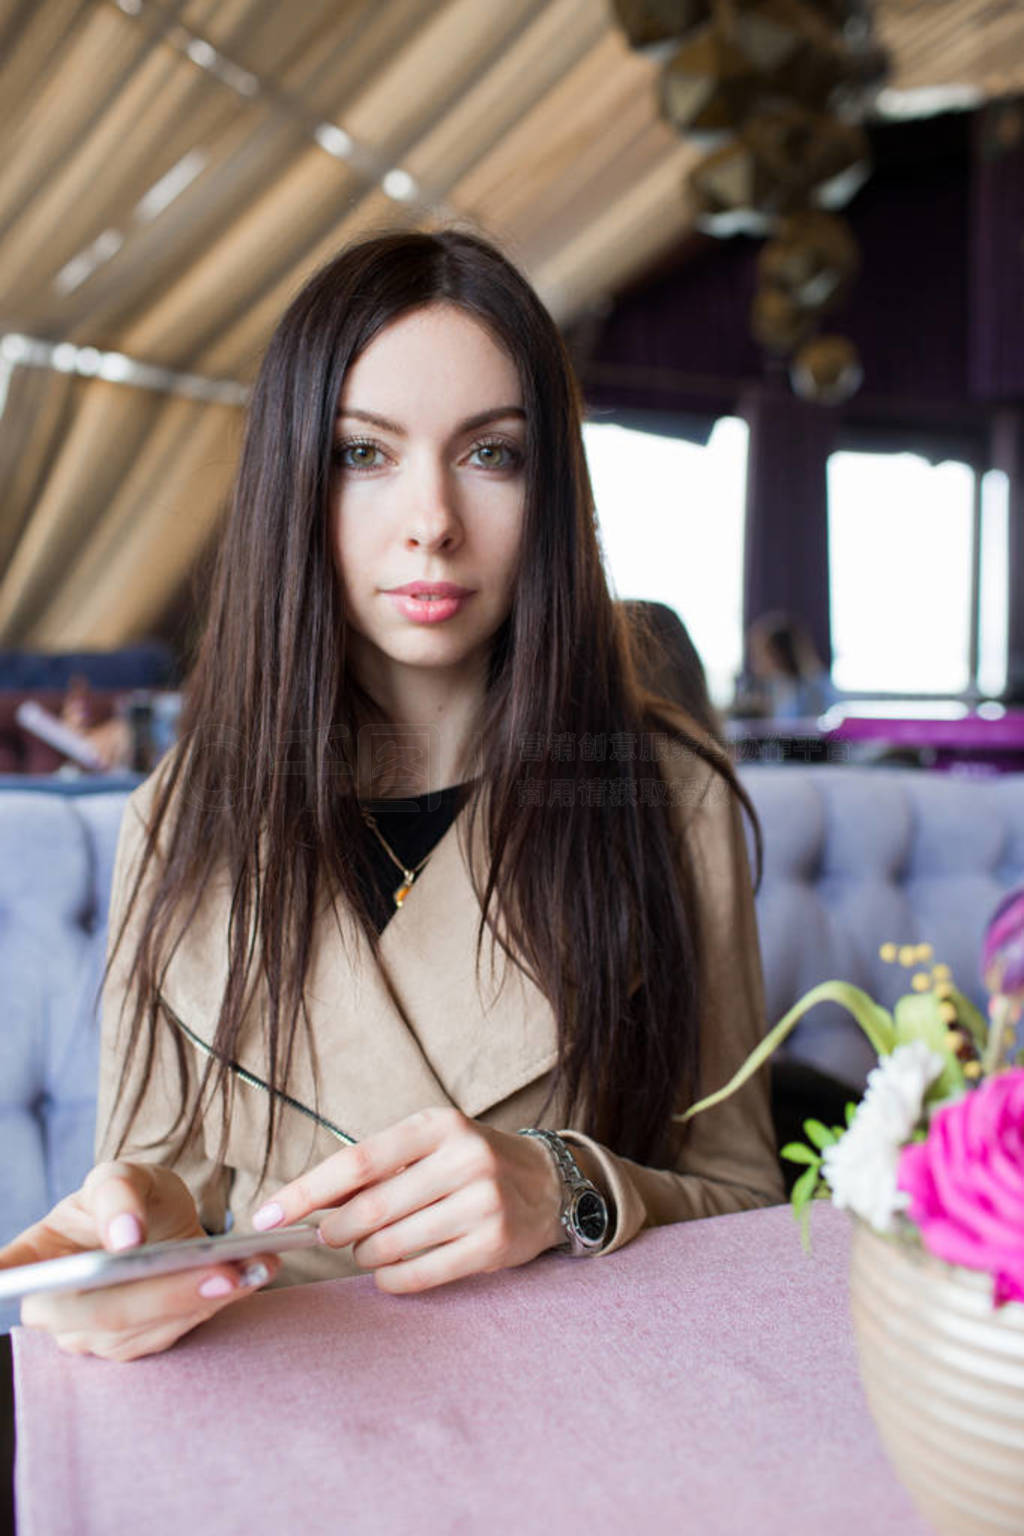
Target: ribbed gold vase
[944,1376]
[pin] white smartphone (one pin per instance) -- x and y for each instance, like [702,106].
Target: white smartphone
[89,1271]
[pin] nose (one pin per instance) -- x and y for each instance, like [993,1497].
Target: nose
[432,519]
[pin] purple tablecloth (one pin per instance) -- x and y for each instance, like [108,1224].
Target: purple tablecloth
[968,732]
[702,1379]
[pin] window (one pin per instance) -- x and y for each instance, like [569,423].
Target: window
[994,584]
[670,517]
[911,612]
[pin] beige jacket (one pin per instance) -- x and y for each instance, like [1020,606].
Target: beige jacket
[487,1048]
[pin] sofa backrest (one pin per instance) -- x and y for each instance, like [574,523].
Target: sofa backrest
[56,865]
[858,856]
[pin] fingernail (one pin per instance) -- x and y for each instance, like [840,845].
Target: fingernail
[255,1274]
[124,1231]
[217,1285]
[268,1216]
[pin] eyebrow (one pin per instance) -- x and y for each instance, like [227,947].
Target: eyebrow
[498,413]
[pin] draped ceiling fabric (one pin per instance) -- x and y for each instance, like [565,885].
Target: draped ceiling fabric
[529,120]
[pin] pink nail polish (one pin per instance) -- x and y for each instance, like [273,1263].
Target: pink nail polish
[216,1285]
[268,1216]
[124,1231]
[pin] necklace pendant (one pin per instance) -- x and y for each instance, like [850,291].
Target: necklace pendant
[403,890]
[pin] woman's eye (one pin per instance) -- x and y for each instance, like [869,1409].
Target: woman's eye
[358,455]
[496,455]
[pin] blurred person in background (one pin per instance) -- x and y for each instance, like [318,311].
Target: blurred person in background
[787,679]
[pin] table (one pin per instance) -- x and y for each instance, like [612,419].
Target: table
[703,1379]
[968,743]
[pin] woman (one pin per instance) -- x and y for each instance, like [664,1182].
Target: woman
[429,868]
[790,681]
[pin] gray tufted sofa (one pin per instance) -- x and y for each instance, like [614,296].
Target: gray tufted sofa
[856,856]
[56,864]
[853,856]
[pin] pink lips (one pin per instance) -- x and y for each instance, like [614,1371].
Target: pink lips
[437,588]
[429,602]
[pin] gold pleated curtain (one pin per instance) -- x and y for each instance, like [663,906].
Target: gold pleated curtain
[527,119]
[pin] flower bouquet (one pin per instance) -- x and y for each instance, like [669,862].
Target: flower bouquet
[930,1164]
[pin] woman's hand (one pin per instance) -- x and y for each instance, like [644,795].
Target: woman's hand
[119,1206]
[431,1199]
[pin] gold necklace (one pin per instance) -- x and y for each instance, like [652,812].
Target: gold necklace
[408,875]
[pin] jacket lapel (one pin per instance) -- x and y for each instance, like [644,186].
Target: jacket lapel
[453,1038]
[484,1036]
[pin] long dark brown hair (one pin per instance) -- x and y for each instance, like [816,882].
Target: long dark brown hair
[585,869]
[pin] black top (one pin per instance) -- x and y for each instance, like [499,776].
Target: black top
[413,827]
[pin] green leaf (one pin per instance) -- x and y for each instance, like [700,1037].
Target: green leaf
[851,1110]
[796,1152]
[917,1017]
[876,1023]
[803,1189]
[819,1134]
[975,1021]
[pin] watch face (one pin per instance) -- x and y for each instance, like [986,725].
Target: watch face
[590,1216]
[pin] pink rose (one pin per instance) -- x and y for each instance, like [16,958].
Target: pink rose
[966,1182]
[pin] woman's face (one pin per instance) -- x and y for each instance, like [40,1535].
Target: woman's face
[428,495]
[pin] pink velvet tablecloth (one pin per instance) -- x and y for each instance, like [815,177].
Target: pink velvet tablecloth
[701,1380]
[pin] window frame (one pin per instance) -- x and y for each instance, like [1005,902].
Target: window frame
[968,445]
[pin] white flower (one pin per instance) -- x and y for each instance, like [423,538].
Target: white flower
[861,1171]
[861,1167]
[898,1084]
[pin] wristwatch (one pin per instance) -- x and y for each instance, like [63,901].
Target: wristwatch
[584,1213]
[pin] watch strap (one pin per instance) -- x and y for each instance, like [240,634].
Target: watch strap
[578,1193]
